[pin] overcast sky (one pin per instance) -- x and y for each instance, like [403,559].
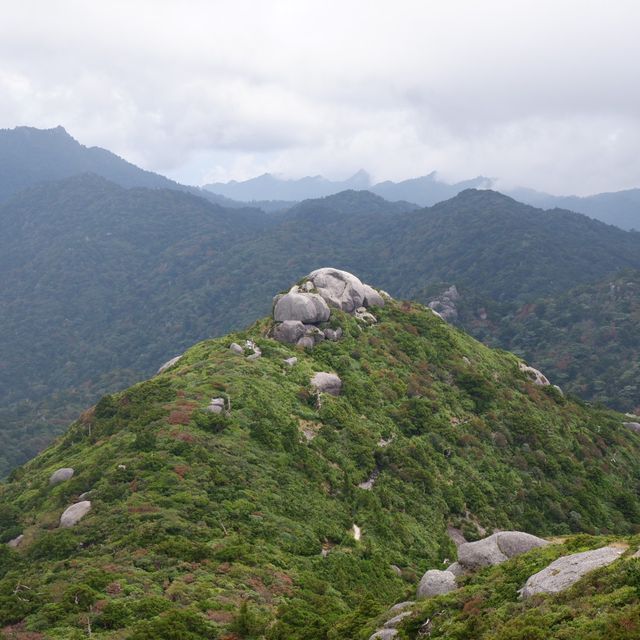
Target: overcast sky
[544,93]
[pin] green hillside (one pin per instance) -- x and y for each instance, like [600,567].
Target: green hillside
[241,524]
[101,284]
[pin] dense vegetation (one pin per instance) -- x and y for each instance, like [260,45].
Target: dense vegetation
[587,340]
[101,284]
[205,524]
[603,604]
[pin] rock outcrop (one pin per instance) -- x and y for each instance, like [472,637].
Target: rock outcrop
[298,313]
[634,426]
[61,475]
[305,307]
[73,514]
[167,364]
[445,304]
[216,405]
[340,289]
[537,377]
[496,548]
[15,542]
[327,383]
[435,583]
[565,571]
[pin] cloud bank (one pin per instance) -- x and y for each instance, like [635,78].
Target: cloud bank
[545,94]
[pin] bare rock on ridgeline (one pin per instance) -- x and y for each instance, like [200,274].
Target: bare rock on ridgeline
[73,514]
[537,377]
[435,583]
[327,383]
[167,364]
[289,331]
[61,475]
[236,348]
[497,548]
[371,297]
[340,289]
[444,305]
[308,308]
[565,571]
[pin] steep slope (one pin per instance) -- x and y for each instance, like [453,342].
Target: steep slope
[252,521]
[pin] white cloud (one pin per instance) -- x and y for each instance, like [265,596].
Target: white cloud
[542,93]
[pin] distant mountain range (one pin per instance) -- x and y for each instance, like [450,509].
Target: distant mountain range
[620,208]
[423,191]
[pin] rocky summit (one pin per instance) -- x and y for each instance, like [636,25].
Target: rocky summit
[351,466]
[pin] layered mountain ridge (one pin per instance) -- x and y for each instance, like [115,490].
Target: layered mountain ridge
[235,495]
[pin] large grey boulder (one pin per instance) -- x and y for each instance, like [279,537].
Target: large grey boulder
[61,475]
[371,297]
[289,331]
[309,308]
[392,623]
[73,514]
[497,548]
[634,426]
[216,405]
[236,348]
[340,289]
[565,571]
[327,383]
[435,582]
[333,334]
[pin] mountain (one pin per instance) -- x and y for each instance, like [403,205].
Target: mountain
[230,497]
[621,208]
[587,338]
[427,190]
[270,187]
[102,284]
[424,191]
[30,156]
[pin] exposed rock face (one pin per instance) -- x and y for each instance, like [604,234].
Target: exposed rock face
[384,634]
[290,362]
[236,348]
[327,383]
[216,405]
[634,426]
[309,308]
[73,514]
[537,377]
[61,475]
[289,331]
[445,304]
[563,572]
[338,288]
[15,542]
[435,583]
[333,334]
[167,364]
[396,620]
[496,548]
[371,297]
[363,315]
[457,569]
